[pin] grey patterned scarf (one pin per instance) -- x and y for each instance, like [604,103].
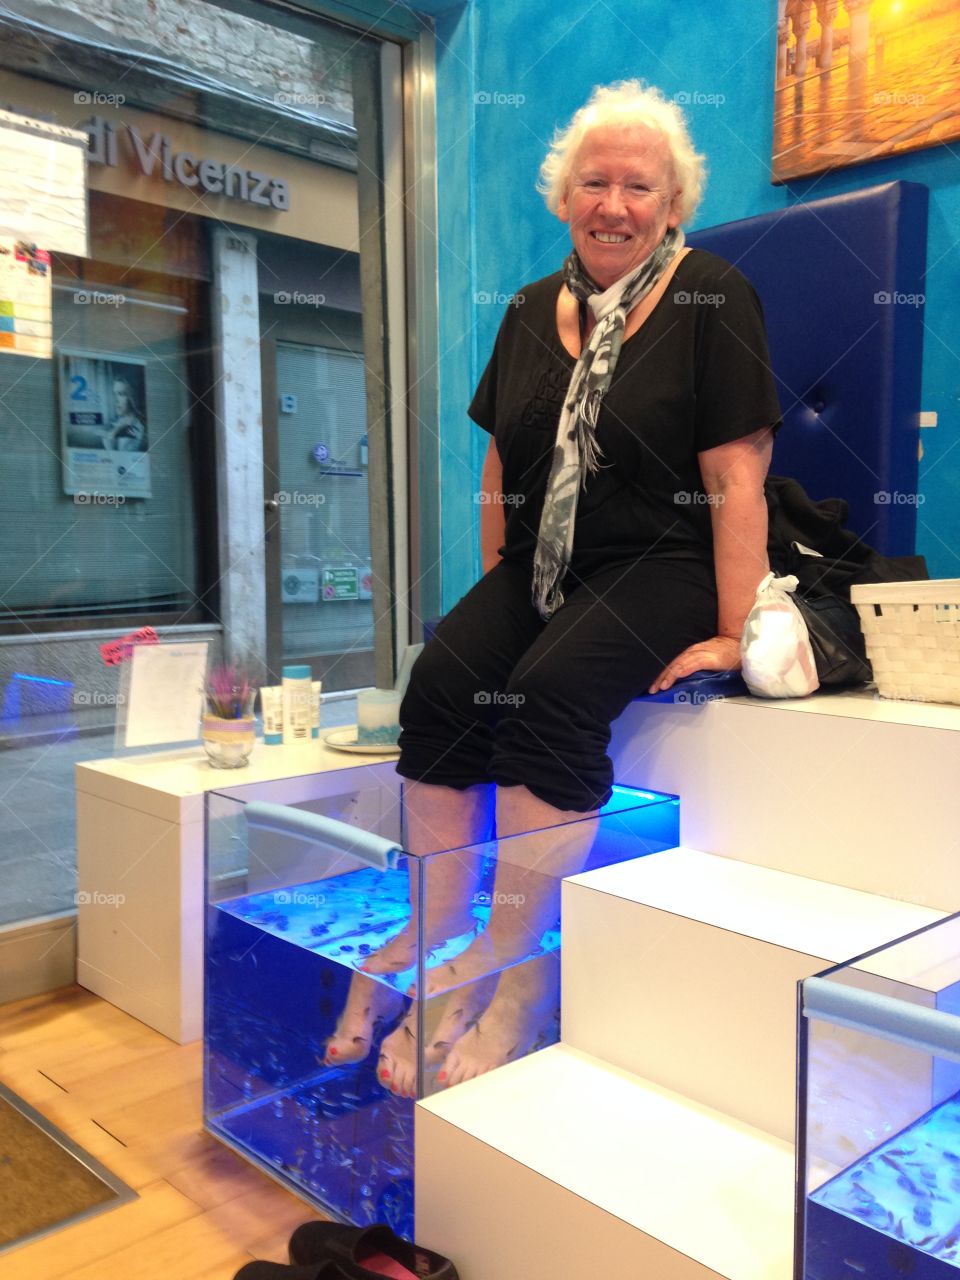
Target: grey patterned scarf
[576,453]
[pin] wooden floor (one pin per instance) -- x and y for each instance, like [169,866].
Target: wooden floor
[131,1098]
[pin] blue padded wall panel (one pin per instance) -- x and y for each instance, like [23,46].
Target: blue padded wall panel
[847,362]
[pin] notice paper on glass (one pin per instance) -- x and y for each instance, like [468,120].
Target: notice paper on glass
[43,177]
[162,700]
[26,300]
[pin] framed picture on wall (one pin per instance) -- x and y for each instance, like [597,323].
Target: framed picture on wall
[860,79]
[104,430]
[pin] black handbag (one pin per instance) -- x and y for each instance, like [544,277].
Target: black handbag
[806,538]
[823,597]
[833,625]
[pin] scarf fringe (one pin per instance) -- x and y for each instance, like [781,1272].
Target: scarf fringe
[547,595]
[586,425]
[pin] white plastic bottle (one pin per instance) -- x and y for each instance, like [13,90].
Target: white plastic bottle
[296,704]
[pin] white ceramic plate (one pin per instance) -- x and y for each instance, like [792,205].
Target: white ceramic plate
[345,739]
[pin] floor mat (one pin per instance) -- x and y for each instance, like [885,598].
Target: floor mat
[46,1180]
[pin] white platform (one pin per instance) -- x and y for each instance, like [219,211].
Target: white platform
[570,1169]
[844,788]
[682,968]
[825,827]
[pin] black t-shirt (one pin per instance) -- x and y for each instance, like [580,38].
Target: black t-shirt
[696,374]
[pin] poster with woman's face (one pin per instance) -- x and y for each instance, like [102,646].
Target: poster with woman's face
[103,423]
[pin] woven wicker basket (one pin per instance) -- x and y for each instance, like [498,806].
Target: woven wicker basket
[912,633]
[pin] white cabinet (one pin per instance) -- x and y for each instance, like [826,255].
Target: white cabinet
[140,864]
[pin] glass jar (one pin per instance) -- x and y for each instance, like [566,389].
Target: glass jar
[229,742]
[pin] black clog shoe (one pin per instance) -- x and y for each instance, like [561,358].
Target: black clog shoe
[280,1271]
[363,1253]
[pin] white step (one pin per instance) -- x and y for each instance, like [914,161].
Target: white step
[560,1167]
[682,968]
[846,788]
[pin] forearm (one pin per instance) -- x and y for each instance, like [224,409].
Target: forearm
[733,476]
[739,518]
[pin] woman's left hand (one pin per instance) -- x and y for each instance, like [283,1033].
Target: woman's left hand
[721,653]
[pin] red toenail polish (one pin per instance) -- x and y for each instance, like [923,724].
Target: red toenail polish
[384,1075]
[442,1075]
[332,1053]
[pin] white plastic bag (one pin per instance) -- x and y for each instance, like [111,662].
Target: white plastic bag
[778,661]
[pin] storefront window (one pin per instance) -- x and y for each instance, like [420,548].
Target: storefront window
[195,449]
[104,439]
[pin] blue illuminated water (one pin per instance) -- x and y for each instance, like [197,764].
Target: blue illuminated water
[279,966]
[896,1211]
[347,918]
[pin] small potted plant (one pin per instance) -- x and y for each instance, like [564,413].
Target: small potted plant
[229,730]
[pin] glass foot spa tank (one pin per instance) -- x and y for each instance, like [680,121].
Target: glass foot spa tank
[879,1152]
[346,978]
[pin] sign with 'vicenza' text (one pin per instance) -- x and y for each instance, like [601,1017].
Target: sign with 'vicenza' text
[155,156]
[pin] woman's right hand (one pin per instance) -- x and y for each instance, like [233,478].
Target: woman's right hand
[720,653]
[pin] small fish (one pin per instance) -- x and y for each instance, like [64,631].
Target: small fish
[907,1184]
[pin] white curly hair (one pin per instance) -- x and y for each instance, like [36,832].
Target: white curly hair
[626,102]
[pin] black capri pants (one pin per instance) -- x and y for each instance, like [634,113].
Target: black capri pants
[501,696]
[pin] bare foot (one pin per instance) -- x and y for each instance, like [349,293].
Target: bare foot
[401,952]
[441,907]
[491,952]
[398,954]
[369,1007]
[521,1010]
[397,1065]
[462,1010]
[524,908]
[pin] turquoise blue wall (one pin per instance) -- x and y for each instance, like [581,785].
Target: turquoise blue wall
[496,234]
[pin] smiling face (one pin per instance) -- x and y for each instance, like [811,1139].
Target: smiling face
[621,199]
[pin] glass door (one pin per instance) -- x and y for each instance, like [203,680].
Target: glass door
[318,556]
[333,368]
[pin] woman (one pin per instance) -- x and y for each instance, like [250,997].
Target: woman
[631,411]
[126,431]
